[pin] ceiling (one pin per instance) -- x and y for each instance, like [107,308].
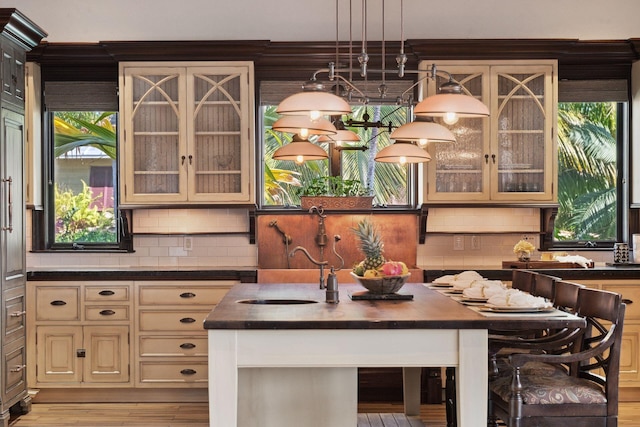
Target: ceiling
[314,20]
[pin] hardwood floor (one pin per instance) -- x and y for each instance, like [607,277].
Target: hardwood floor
[196,414]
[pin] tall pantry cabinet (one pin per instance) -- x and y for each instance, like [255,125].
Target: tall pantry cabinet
[17,35]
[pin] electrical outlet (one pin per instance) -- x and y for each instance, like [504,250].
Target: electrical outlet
[187,244]
[475,243]
[458,243]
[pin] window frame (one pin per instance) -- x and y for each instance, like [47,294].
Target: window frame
[605,91]
[43,221]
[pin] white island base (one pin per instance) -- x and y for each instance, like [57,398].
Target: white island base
[313,382]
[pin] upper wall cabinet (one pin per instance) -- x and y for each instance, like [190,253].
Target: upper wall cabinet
[510,156]
[187,133]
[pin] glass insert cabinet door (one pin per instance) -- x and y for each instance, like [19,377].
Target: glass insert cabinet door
[188,134]
[523,131]
[508,156]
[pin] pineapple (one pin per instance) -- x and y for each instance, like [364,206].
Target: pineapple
[370,244]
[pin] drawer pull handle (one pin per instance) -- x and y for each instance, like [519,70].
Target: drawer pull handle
[58,302]
[18,368]
[187,320]
[188,372]
[627,301]
[187,346]
[107,313]
[187,295]
[18,313]
[106,293]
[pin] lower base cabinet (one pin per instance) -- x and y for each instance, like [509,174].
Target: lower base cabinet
[76,355]
[130,334]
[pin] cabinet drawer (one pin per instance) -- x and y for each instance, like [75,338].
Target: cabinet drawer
[168,320]
[181,295]
[15,314]
[58,303]
[631,293]
[106,292]
[15,367]
[186,346]
[173,372]
[98,312]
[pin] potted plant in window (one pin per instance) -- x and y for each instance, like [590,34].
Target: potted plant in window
[335,192]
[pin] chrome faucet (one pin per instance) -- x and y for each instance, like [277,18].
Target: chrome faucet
[332,294]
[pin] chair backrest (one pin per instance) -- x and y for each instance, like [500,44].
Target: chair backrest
[565,295]
[544,285]
[523,280]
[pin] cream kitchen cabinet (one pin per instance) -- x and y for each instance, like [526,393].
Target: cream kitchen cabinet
[81,334]
[508,157]
[171,341]
[187,133]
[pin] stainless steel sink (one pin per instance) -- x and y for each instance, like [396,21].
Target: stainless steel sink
[276,301]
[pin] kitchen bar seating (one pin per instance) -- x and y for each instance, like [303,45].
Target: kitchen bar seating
[585,392]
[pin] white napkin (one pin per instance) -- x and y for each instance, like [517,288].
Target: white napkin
[484,289]
[446,279]
[580,260]
[518,298]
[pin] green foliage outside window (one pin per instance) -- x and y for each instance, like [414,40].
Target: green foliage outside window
[80,216]
[587,172]
[79,220]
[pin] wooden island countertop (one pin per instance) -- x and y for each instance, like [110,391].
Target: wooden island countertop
[429,309]
[296,364]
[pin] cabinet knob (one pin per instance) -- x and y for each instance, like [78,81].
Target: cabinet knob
[187,295]
[58,302]
[188,371]
[627,301]
[18,314]
[107,313]
[187,346]
[18,368]
[106,293]
[187,320]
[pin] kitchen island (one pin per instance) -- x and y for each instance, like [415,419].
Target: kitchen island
[280,359]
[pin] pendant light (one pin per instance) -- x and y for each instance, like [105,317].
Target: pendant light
[422,132]
[304,126]
[451,104]
[300,150]
[402,152]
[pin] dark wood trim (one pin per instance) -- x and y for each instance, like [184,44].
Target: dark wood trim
[298,60]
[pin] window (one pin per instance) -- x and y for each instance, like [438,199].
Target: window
[592,117]
[81,209]
[390,184]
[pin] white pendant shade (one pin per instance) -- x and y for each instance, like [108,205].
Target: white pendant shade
[300,151]
[402,152]
[442,104]
[314,104]
[342,135]
[304,126]
[423,132]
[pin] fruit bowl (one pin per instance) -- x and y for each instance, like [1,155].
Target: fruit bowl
[382,284]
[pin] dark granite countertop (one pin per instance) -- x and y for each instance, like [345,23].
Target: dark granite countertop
[575,274]
[143,273]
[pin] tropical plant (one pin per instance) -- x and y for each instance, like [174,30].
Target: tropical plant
[84,129]
[587,172]
[79,220]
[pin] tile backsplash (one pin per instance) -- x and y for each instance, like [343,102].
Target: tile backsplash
[186,238]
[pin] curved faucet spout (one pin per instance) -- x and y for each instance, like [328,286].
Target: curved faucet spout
[308,255]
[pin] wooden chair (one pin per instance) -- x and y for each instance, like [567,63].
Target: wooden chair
[544,286]
[523,279]
[584,392]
